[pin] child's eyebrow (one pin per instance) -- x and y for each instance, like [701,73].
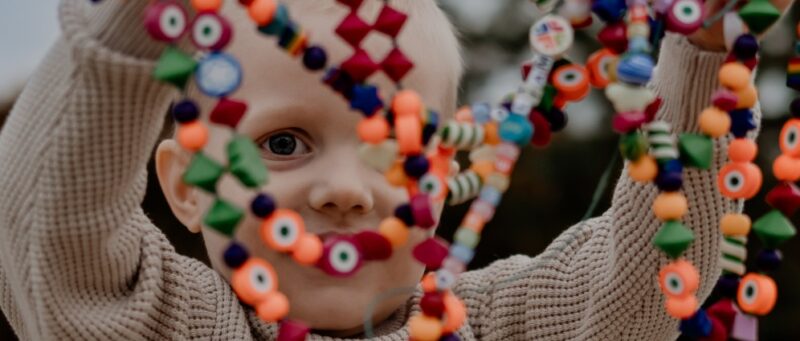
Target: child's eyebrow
[261,119]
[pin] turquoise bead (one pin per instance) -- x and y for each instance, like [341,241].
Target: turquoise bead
[516,129]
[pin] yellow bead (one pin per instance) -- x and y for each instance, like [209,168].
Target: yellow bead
[735,224]
[483,168]
[714,122]
[498,181]
[747,97]
[424,328]
[394,230]
[396,176]
[734,76]
[643,170]
[670,206]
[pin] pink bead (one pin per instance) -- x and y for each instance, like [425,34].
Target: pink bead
[165,21]
[431,252]
[685,16]
[228,112]
[396,65]
[390,21]
[353,30]
[341,256]
[422,209]
[210,31]
[360,66]
[628,121]
[290,330]
[374,246]
[724,311]
[724,100]
[483,209]
[614,37]
[454,265]
[745,327]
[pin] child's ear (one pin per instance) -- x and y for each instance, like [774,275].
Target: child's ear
[171,162]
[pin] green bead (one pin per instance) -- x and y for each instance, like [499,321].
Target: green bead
[697,150]
[759,15]
[223,217]
[174,67]
[633,146]
[244,162]
[673,238]
[773,229]
[203,172]
[548,98]
[467,237]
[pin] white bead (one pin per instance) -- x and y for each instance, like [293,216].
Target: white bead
[626,98]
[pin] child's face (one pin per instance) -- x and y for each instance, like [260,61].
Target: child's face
[307,137]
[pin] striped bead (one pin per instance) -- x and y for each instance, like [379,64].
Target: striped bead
[662,142]
[734,253]
[462,135]
[463,187]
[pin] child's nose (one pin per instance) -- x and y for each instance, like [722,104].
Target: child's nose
[341,191]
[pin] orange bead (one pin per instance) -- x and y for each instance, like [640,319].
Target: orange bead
[790,138]
[681,308]
[747,97]
[571,81]
[464,114]
[424,328]
[491,134]
[274,308]
[670,206]
[192,136]
[560,101]
[735,224]
[396,176]
[283,229]
[482,168]
[598,65]
[455,313]
[308,250]
[742,150]
[395,230]
[407,103]
[734,75]
[373,129]
[757,294]
[254,281]
[409,134]
[429,282]
[643,170]
[206,5]
[786,168]
[678,279]
[739,180]
[262,11]
[714,122]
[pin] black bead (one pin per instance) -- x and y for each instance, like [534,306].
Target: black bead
[669,181]
[697,326]
[769,259]
[403,212]
[728,285]
[795,108]
[235,255]
[185,111]
[315,58]
[745,47]
[556,118]
[671,166]
[262,206]
[416,166]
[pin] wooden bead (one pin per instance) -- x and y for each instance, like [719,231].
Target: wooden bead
[424,328]
[643,170]
[373,129]
[747,97]
[790,138]
[394,230]
[679,279]
[742,150]
[786,168]
[274,308]
[670,206]
[714,122]
[735,224]
[681,308]
[192,136]
[757,294]
[308,249]
[262,11]
[734,76]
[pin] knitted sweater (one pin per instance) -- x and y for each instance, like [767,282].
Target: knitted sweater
[80,260]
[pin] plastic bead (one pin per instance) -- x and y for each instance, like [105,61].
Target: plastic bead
[235,255]
[773,229]
[424,328]
[685,16]
[174,67]
[422,209]
[747,97]
[597,65]
[745,327]
[541,127]
[373,245]
[610,10]
[283,229]
[185,111]
[759,15]
[462,135]
[365,98]
[409,134]
[769,259]
[757,294]
[644,169]
[556,118]
[463,187]
[551,35]
[315,58]
[407,103]
[681,308]
[785,197]
[394,230]
[742,150]
[679,279]
[192,136]
[308,250]
[262,205]
[396,176]
[396,65]
[431,252]
[673,238]
[360,66]
[719,331]
[670,206]
[165,21]
[516,129]
[614,38]
[342,256]
[714,122]
[629,98]
[742,121]
[739,180]
[228,112]
[696,150]
[455,313]
[571,81]
[669,181]
[262,11]
[467,237]
[735,224]
[416,166]
[697,326]
[379,156]
[211,31]
[734,253]
[434,186]
[662,143]
[745,47]
[635,69]
[206,5]
[724,100]
[274,308]
[218,75]
[786,168]
[403,212]
[627,122]
[373,129]
[734,76]
[790,138]
[244,162]
[203,172]
[292,331]
[254,281]
[633,145]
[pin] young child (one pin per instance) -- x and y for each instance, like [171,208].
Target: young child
[80,260]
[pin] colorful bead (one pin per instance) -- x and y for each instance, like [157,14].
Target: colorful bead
[635,69]
[551,35]
[394,230]
[360,66]
[262,205]
[244,162]
[742,121]
[365,98]
[714,122]
[315,58]
[662,142]
[273,308]
[455,313]
[757,294]
[192,136]
[759,15]
[223,217]
[373,245]
[262,11]
[211,31]
[373,130]
[629,98]
[174,67]
[341,256]
[463,187]
[380,156]
[735,224]
[434,186]
[773,229]
[462,135]
[165,21]
[697,326]
[734,254]
[785,197]
[670,206]
[431,252]
[235,255]
[614,38]
[467,237]
[228,112]
[610,10]
[734,76]
[290,330]
[739,180]
[424,328]
[275,19]
[416,166]
[685,16]
[745,47]
[681,308]
[185,111]
[696,150]
[218,75]
[422,209]
[308,250]
[679,279]
[644,169]
[571,81]
[396,65]
[747,97]
[203,172]
[786,168]
[282,230]
[254,281]
[790,138]
[541,128]
[673,238]
[516,129]
[724,100]
[742,150]
[432,304]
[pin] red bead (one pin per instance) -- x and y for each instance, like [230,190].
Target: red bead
[541,129]
[422,209]
[724,100]
[354,4]
[396,65]
[374,246]
[341,257]
[628,121]
[432,304]
[785,197]
[360,66]
[390,21]
[526,69]
[718,331]
[292,331]
[614,36]
[353,30]
[431,252]
[724,311]
[228,112]
[652,109]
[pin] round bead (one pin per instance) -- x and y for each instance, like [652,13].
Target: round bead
[407,103]
[724,99]
[734,76]
[394,230]
[786,168]
[274,308]
[416,166]
[424,328]
[757,294]
[185,111]
[735,224]
[769,259]
[433,185]
[211,31]
[698,326]
[747,97]
[670,206]
[669,181]
[645,169]
[262,205]
[262,11]
[745,47]
[635,69]
[714,122]
[373,129]
[165,21]
[235,255]
[679,279]
[455,313]
[193,135]
[681,308]
[341,256]
[728,285]
[551,35]
[516,129]
[206,5]
[373,245]
[597,65]
[739,180]
[403,212]
[571,81]
[396,176]
[685,16]
[557,119]
[308,249]
[742,150]
[254,281]
[613,36]
[432,304]
[422,209]
[315,58]
[467,237]
[790,138]
[283,229]
[218,75]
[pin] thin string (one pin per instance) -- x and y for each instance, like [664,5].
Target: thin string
[719,15]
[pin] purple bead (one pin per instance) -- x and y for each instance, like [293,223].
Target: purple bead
[669,181]
[557,119]
[403,212]
[672,166]
[609,10]
[696,326]
[742,121]
[416,166]
[745,47]
[340,81]
[728,285]
[235,255]
[795,108]
[185,111]
[315,58]
[769,259]
[262,205]
[450,337]
[422,209]
[292,331]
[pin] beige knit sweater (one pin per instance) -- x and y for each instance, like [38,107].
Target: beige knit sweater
[80,260]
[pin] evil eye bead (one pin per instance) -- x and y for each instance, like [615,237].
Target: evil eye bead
[757,294]
[254,281]
[685,16]
[598,66]
[165,21]
[434,185]
[218,75]
[341,257]
[211,31]
[739,180]
[571,81]
[282,230]
[790,138]
[678,279]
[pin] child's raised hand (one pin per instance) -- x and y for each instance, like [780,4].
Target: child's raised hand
[712,38]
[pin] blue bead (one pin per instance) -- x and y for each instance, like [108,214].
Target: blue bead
[450,337]
[416,166]
[669,181]
[462,253]
[279,21]
[728,285]
[639,45]
[404,213]
[635,69]
[556,118]
[262,205]
[742,121]
[673,165]
[315,58]
[769,260]
[185,111]
[287,35]
[697,326]
[610,10]
[490,195]
[365,98]
[482,113]
[745,47]
[516,129]
[235,255]
[218,75]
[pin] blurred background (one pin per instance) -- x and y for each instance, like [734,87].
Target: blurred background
[552,187]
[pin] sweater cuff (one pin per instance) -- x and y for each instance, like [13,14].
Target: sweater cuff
[685,78]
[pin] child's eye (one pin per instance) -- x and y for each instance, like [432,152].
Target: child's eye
[283,145]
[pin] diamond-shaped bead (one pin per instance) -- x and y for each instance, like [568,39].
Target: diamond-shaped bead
[245,162]
[390,21]
[696,150]
[759,15]
[396,65]
[353,4]
[353,30]
[673,238]
[174,67]
[203,172]
[223,217]
[360,66]
[228,112]
[773,229]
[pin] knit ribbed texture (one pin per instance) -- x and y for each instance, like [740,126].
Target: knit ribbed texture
[80,260]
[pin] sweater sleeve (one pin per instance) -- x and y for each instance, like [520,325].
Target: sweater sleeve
[598,280]
[78,257]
